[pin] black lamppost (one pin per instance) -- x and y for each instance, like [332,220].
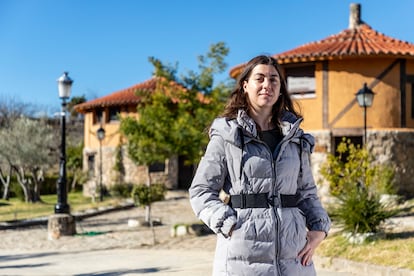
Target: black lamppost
[62,206]
[100,133]
[365,96]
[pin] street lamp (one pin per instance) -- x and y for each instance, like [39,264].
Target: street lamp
[365,96]
[64,87]
[100,133]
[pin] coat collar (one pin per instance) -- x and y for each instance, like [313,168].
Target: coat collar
[290,123]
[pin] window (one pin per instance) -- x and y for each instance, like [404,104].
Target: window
[301,81]
[98,116]
[114,114]
[157,167]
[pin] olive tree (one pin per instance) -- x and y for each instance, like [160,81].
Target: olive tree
[10,110]
[25,144]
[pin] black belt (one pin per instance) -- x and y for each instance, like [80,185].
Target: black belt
[262,200]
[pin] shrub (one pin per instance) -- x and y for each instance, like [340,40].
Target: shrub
[16,191]
[122,190]
[360,211]
[357,183]
[145,195]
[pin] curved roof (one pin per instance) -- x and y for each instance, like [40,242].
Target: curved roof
[360,41]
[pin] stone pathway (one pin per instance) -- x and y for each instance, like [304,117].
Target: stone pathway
[100,235]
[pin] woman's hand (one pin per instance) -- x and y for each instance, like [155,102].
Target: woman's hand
[314,238]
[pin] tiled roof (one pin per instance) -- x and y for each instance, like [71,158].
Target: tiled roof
[122,97]
[126,96]
[361,41]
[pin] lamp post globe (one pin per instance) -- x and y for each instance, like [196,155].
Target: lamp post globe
[64,88]
[365,97]
[100,133]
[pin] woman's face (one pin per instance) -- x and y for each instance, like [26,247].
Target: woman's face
[262,87]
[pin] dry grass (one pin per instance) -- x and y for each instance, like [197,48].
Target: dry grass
[396,249]
[15,209]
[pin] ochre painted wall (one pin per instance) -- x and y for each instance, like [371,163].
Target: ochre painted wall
[112,134]
[311,108]
[345,78]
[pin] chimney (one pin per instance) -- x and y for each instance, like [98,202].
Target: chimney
[355,16]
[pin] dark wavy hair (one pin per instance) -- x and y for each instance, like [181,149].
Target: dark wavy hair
[239,100]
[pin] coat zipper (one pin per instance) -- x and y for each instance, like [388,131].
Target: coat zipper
[275,211]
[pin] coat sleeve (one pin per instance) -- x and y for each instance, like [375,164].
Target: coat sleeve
[316,216]
[205,188]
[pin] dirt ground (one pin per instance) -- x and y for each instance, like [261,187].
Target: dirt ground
[112,230]
[111,234]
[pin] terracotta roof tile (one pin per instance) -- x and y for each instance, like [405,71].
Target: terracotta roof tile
[128,96]
[359,42]
[362,41]
[121,97]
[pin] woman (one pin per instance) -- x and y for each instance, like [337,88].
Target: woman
[259,156]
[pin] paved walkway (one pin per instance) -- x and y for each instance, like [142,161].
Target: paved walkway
[113,262]
[106,245]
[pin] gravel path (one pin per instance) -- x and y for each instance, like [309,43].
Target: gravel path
[111,230]
[26,250]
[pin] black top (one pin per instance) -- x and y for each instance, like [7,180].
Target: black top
[271,137]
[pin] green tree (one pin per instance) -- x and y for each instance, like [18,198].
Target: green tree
[172,119]
[10,111]
[75,101]
[26,147]
[74,160]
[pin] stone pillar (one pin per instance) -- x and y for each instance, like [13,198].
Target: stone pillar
[61,225]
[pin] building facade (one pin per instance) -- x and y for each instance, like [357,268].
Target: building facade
[106,160]
[324,77]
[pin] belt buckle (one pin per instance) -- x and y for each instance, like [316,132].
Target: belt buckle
[275,201]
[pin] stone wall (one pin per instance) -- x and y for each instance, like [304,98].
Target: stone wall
[318,157]
[133,174]
[394,147]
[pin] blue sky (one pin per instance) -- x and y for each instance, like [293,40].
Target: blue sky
[105,44]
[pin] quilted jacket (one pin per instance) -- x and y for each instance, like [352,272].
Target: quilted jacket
[264,241]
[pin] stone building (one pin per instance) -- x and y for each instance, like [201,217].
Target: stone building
[101,156]
[324,77]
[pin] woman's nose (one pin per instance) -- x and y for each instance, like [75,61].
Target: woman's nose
[267,83]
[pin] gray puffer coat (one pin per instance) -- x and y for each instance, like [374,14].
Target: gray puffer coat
[264,241]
